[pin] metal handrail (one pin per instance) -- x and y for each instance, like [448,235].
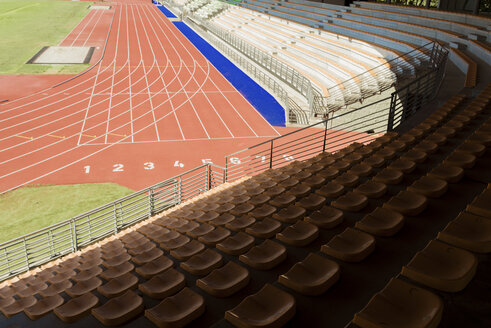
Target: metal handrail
[23,253]
[332,134]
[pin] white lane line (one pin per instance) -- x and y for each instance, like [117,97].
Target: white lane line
[129,73]
[144,69]
[93,27]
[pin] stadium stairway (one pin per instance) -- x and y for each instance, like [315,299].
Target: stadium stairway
[402,221]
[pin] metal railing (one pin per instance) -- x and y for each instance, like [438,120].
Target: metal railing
[338,131]
[378,79]
[23,253]
[407,100]
[358,125]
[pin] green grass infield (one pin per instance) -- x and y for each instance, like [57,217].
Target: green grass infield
[26,26]
[31,208]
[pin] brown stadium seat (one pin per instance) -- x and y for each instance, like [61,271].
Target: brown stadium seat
[331,190]
[107,254]
[88,263]
[441,266]
[118,286]
[401,304]
[386,153]
[313,276]
[430,187]
[6,301]
[265,228]
[347,179]
[416,156]
[142,248]
[300,233]
[327,217]
[120,309]
[147,256]
[449,173]
[201,230]
[328,173]
[481,205]
[242,209]
[283,200]
[164,284]
[264,256]
[118,270]
[116,260]
[240,223]
[18,305]
[381,222]
[372,189]
[315,181]
[178,310]
[165,236]
[311,202]
[396,145]
[87,274]
[224,208]
[32,289]
[341,165]
[186,251]
[236,244]
[426,146]
[274,191]
[468,231]
[262,211]
[203,263]
[404,166]
[83,287]
[259,200]
[175,242]
[211,215]
[290,214]
[302,175]
[61,275]
[300,190]
[43,306]
[473,148]
[225,281]
[361,170]
[288,183]
[154,267]
[270,307]
[407,203]
[190,225]
[351,201]
[351,245]
[374,161]
[214,236]
[389,176]
[437,139]
[76,308]
[55,289]
[463,160]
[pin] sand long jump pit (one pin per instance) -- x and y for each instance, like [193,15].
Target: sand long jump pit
[63,55]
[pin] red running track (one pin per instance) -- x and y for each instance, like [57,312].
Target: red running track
[153,106]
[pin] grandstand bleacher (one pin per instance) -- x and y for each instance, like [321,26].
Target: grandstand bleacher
[371,218]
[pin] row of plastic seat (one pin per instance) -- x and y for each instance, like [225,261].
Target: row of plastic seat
[445,265]
[220,241]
